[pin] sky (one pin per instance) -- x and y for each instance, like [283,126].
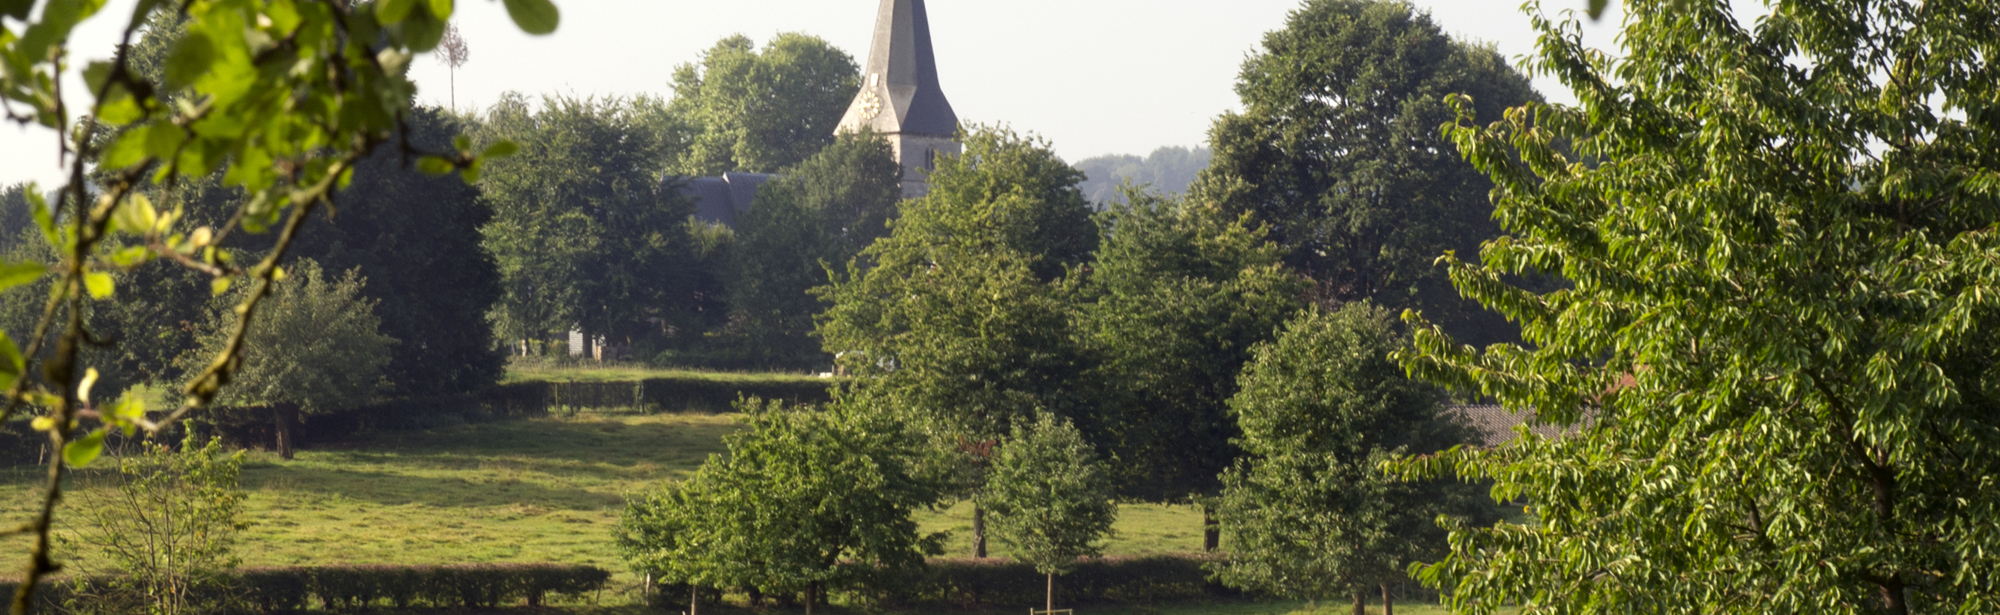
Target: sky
[1093,77]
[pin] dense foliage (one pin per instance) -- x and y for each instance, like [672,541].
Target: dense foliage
[1337,149]
[741,109]
[813,219]
[585,234]
[1050,501]
[1779,351]
[1181,293]
[800,493]
[1309,512]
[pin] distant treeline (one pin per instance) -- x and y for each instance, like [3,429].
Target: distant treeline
[1168,170]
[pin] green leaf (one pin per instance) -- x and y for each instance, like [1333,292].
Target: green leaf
[1597,8]
[16,274]
[422,31]
[44,218]
[136,215]
[434,165]
[80,453]
[11,362]
[391,12]
[534,16]
[502,149]
[219,286]
[441,9]
[462,142]
[98,283]
[190,59]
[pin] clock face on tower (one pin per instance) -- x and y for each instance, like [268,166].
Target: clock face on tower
[871,105]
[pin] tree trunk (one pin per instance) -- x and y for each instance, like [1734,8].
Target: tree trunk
[1211,530]
[1388,602]
[1360,602]
[812,595]
[694,600]
[285,418]
[1051,606]
[978,530]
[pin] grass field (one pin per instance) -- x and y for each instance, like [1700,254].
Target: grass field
[519,491]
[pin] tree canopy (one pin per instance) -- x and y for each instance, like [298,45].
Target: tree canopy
[804,499]
[585,233]
[760,111]
[1309,512]
[818,215]
[1182,293]
[1778,353]
[1337,149]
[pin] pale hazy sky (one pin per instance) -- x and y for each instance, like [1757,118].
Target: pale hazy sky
[1092,76]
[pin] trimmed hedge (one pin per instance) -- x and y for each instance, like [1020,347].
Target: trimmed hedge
[1008,583]
[353,588]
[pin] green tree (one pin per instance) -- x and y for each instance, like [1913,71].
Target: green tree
[584,233]
[761,111]
[1051,503]
[1337,149]
[168,522]
[280,99]
[317,348]
[1778,354]
[1183,293]
[818,214]
[1310,513]
[805,500]
[963,318]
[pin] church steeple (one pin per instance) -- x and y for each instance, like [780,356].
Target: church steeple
[900,97]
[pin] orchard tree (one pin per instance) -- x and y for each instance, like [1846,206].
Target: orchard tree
[1337,149]
[1310,512]
[1779,350]
[1183,292]
[805,499]
[963,319]
[284,100]
[1051,503]
[761,111]
[317,348]
[816,216]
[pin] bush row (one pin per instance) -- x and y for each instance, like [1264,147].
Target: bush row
[350,588]
[995,582]
[256,426]
[1008,583]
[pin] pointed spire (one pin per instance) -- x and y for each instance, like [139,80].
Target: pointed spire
[899,87]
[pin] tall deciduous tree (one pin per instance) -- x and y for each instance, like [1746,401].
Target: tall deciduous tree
[585,234]
[1310,513]
[1183,292]
[1779,351]
[819,214]
[1337,149]
[805,499]
[762,111]
[963,318]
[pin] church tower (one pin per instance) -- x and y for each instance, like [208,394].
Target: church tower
[900,98]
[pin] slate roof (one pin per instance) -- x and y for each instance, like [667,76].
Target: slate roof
[719,200]
[899,86]
[1496,425]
